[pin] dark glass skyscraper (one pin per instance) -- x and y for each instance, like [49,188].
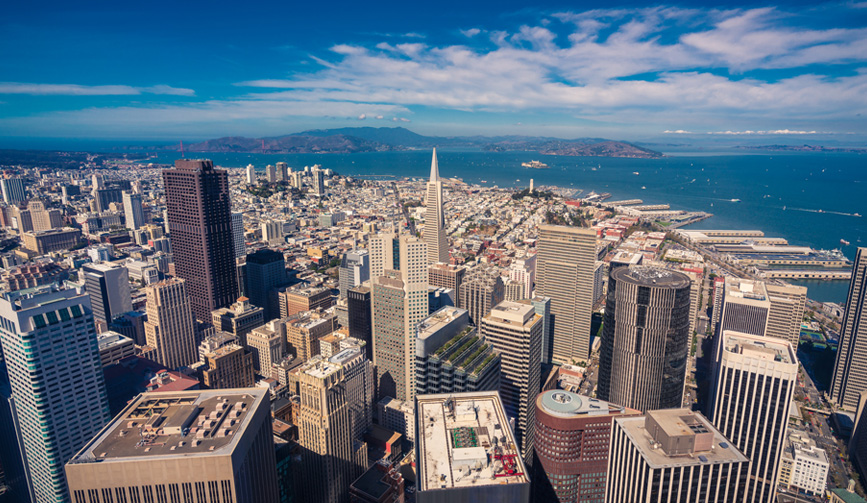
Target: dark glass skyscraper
[266,271]
[200,223]
[360,323]
[642,364]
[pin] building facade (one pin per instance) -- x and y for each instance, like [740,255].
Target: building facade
[850,369]
[434,218]
[354,270]
[170,327]
[230,366]
[108,288]
[481,289]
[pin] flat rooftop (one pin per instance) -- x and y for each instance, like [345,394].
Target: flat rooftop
[438,320]
[566,404]
[162,424]
[671,423]
[757,347]
[651,276]
[517,313]
[745,289]
[464,440]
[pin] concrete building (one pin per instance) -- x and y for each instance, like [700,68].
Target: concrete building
[359,384]
[266,344]
[542,305]
[317,181]
[297,300]
[804,466]
[523,270]
[566,261]
[227,455]
[399,252]
[381,483]
[754,383]
[251,175]
[354,270]
[745,307]
[673,455]
[330,459]
[58,390]
[265,273]
[850,369]
[239,319]
[13,190]
[198,209]
[107,285]
[481,289]
[114,347]
[282,171]
[444,275]
[787,311]
[642,363]
[465,451]
[133,211]
[571,446]
[304,329]
[45,242]
[397,415]
[170,327]
[515,331]
[230,366]
[272,232]
[434,218]
[451,358]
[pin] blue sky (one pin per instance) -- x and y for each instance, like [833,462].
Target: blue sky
[163,71]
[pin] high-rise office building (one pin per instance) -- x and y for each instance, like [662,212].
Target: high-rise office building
[398,307]
[318,182]
[564,272]
[229,366]
[251,174]
[451,358]
[466,451]
[571,446]
[354,270]
[108,287]
[642,363]
[297,300]
[265,273]
[481,289]
[542,305]
[204,446]
[304,329]
[200,223]
[399,252]
[515,331]
[238,241]
[449,276]
[13,190]
[787,310]
[331,459]
[267,345]
[523,271]
[434,217]
[673,455]
[360,326]
[238,319]
[133,211]
[170,328]
[359,383]
[745,307]
[52,360]
[850,369]
[754,383]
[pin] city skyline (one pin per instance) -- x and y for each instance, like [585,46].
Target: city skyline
[677,71]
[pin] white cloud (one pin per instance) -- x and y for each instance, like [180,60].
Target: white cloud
[80,90]
[677,131]
[771,132]
[472,32]
[362,117]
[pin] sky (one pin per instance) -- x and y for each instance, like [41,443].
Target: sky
[169,71]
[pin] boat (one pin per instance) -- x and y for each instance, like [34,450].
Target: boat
[635,173]
[736,200]
[534,165]
[856,214]
[844,242]
[643,187]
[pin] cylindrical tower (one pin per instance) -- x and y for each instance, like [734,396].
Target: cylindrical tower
[645,338]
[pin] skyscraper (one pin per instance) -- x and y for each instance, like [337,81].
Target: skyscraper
[52,359]
[564,272]
[170,327]
[754,383]
[515,331]
[282,172]
[251,174]
[238,241]
[239,318]
[108,287]
[673,455]
[360,321]
[398,252]
[450,276]
[434,218]
[358,380]
[354,270]
[133,211]
[481,289]
[206,446]
[199,218]
[642,363]
[230,366]
[13,190]
[330,458]
[787,311]
[271,173]
[745,307]
[266,271]
[318,181]
[571,446]
[850,370]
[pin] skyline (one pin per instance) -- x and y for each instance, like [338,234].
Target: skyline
[665,73]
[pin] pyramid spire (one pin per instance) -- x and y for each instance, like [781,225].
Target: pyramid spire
[434,168]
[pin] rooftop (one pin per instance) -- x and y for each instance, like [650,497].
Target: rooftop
[706,445]
[759,348]
[517,313]
[188,423]
[745,289]
[565,404]
[464,440]
[438,320]
[651,276]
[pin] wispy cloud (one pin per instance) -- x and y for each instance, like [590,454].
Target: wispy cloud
[81,90]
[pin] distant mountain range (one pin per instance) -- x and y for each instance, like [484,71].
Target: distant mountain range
[371,139]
